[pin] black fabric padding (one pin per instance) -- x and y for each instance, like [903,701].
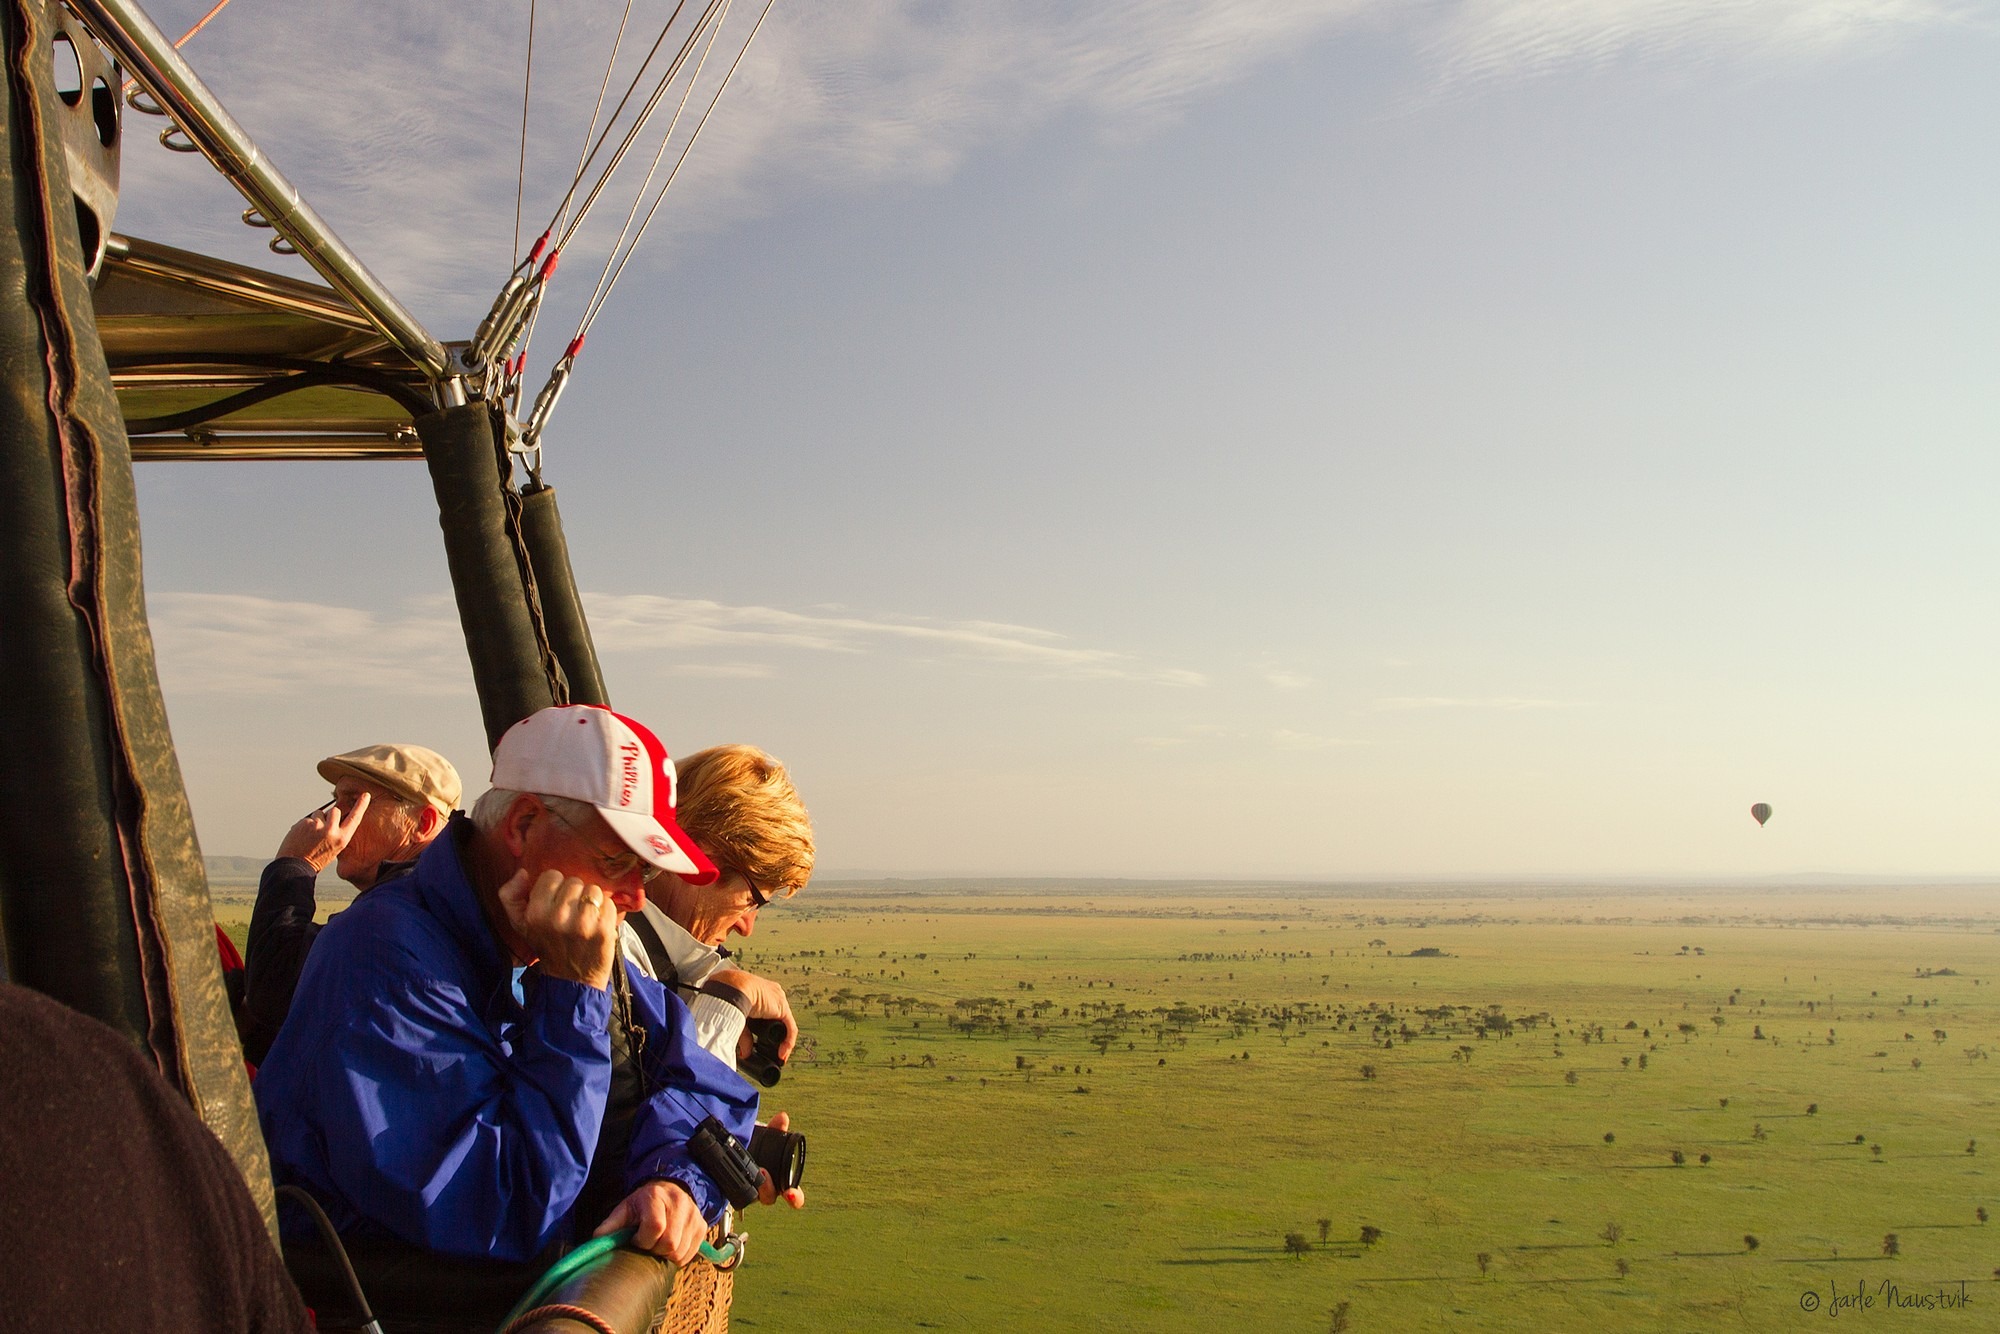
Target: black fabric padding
[562,606]
[493,609]
[103,898]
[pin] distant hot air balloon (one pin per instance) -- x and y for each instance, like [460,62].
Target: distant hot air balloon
[1761,812]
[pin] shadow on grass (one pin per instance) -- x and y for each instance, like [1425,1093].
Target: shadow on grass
[1238,1250]
[1841,1260]
[1232,1260]
[1564,1246]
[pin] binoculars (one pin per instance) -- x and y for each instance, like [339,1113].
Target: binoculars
[763,1064]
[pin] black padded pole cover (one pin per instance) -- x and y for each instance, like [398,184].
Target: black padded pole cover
[508,668]
[626,1290]
[103,900]
[562,607]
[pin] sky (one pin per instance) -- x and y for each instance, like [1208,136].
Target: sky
[1243,438]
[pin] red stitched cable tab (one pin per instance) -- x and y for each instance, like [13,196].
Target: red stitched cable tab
[575,346]
[550,267]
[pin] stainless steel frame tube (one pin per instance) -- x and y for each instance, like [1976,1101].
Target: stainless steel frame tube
[149,55]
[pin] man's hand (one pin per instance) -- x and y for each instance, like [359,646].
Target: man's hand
[669,1223]
[319,837]
[767,1192]
[767,1001]
[569,926]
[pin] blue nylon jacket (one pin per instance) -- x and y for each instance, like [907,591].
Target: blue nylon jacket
[424,1088]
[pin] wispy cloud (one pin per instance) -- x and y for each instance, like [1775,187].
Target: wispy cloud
[1503,703]
[1508,39]
[1286,739]
[228,643]
[726,671]
[1213,735]
[641,621]
[1285,680]
[411,150]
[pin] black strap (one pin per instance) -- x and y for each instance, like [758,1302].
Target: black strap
[722,991]
[656,950]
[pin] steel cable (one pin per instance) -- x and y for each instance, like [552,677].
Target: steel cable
[521,173]
[570,194]
[666,141]
[582,157]
[645,115]
[591,313]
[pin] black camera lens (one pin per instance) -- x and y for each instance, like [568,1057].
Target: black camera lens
[782,1153]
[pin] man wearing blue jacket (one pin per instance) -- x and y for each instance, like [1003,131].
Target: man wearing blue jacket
[468,1066]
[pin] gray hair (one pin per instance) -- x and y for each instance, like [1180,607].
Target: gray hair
[492,807]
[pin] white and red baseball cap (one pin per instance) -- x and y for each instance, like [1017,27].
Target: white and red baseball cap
[589,753]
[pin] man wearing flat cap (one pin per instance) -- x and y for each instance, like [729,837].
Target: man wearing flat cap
[389,802]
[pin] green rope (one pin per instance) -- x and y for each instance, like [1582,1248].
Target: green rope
[565,1269]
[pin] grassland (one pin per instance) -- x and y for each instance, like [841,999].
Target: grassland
[1038,1109]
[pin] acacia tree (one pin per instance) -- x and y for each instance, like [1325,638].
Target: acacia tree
[1484,1260]
[1296,1244]
[1370,1234]
[1325,1229]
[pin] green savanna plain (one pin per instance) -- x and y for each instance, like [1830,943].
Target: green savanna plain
[1041,1110]
[1049,1108]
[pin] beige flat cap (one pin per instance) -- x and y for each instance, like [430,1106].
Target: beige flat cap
[411,772]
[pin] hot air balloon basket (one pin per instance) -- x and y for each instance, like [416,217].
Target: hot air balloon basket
[700,1301]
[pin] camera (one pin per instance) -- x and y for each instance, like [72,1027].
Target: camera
[738,1171]
[782,1153]
[763,1064]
